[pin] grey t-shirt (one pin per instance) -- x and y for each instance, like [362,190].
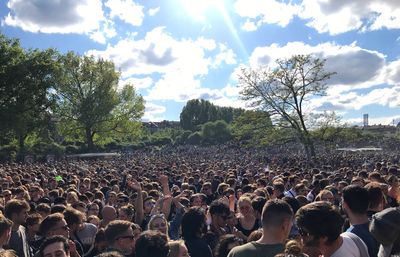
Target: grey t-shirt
[255,249]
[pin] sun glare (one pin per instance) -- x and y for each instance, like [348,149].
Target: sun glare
[197,9]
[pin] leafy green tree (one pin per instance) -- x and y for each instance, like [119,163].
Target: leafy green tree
[282,91]
[252,127]
[197,112]
[26,76]
[89,103]
[216,132]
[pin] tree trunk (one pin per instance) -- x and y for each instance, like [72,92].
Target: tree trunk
[89,138]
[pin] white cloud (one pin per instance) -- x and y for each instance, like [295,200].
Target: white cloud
[249,26]
[106,31]
[265,11]
[126,10]
[340,16]
[177,64]
[356,67]
[138,83]
[154,112]
[325,16]
[48,16]
[153,11]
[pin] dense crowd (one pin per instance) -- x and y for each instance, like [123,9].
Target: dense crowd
[203,202]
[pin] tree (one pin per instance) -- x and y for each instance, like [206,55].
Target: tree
[283,90]
[197,112]
[89,104]
[252,127]
[216,132]
[25,79]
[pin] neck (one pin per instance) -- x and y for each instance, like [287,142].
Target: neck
[356,219]
[271,237]
[15,226]
[328,250]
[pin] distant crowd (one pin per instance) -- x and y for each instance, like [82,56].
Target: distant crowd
[215,201]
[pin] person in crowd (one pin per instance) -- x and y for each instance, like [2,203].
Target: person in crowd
[219,213]
[226,244]
[177,249]
[120,237]
[152,243]
[355,204]
[55,246]
[376,198]
[276,219]
[17,211]
[247,221]
[5,231]
[55,225]
[320,226]
[193,226]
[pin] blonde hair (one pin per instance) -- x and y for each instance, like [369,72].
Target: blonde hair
[174,248]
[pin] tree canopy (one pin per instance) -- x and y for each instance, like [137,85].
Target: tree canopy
[89,102]
[199,111]
[283,90]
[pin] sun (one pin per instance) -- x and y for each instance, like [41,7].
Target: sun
[197,9]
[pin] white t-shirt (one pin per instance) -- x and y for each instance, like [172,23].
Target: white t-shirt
[348,247]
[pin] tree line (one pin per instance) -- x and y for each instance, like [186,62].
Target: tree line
[49,99]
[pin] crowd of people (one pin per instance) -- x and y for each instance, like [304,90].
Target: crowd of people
[203,202]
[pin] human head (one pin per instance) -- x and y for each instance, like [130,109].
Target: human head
[158,222]
[109,213]
[225,245]
[375,196]
[152,243]
[244,205]
[54,224]
[5,230]
[193,223]
[119,235]
[126,212]
[355,199]
[55,246]
[177,249]
[276,213]
[17,211]
[74,219]
[325,195]
[258,203]
[219,212]
[319,222]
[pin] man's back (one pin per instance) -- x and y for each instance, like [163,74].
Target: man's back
[349,248]
[362,231]
[255,249]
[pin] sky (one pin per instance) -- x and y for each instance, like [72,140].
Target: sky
[177,50]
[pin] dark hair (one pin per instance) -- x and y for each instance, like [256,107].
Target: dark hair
[43,207]
[320,219]
[218,207]
[58,208]
[293,202]
[152,243]
[258,203]
[116,228]
[221,249]
[193,222]
[15,206]
[275,212]
[5,224]
[375,194]
[73,216]
[356,198]
[33,219]
[49,222]
[51,240]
